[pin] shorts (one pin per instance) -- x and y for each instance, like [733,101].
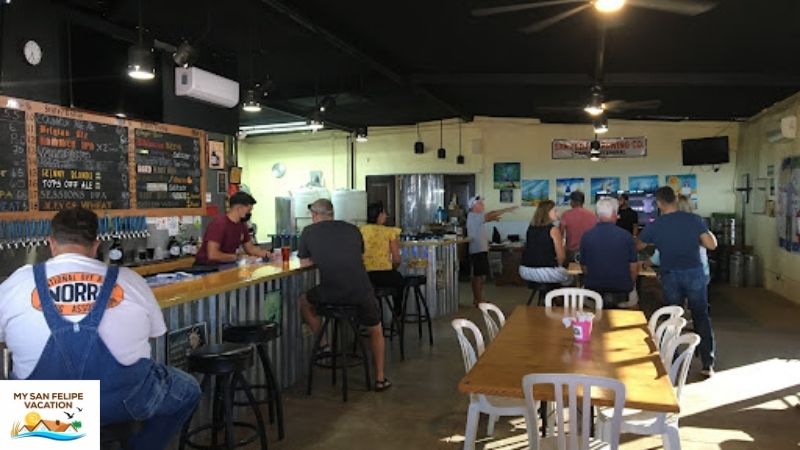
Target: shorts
[546,275]
[480,264]
[368,314]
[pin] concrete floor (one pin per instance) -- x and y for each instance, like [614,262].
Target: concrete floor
[751,403]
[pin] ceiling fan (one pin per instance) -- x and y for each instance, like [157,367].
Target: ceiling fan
[684,7]
[598,104]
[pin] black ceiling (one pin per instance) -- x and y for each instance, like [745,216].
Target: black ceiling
[415,60]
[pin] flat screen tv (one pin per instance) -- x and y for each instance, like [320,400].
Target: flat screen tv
[706,151]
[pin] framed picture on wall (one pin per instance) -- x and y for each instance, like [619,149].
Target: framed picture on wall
[236,175]
[506,196]
[216,155]
[222,182]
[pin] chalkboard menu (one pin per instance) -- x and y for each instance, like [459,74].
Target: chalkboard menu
[167,170]
[13,161]
[81,163]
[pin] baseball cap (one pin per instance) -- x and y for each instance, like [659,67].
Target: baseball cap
[474,200]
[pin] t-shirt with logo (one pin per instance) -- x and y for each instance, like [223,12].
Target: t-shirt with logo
[377,252]
[131,318]
[227,233]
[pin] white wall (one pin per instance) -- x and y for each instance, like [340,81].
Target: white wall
[390,151]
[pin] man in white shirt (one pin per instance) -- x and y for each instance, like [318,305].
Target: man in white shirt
[51,315]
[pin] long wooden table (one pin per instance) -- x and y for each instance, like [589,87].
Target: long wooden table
[533,340]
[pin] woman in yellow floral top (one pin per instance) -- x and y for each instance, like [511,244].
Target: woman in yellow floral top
[381,249]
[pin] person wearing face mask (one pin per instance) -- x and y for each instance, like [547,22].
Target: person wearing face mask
[226,233]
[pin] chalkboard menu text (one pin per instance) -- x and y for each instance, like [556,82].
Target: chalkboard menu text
[81,163]
[13,161]
[168,171]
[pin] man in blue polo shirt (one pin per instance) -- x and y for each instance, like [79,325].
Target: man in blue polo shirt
[677,234]
[608,257]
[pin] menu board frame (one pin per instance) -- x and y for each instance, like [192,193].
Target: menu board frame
[31,108]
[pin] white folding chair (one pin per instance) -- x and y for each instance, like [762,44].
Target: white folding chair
[665,312]
[666,332]
[492,326]
[568,386]
[574,298]
[479,404]
[639,422]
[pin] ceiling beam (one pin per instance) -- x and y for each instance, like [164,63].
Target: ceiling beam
[362,57]
[621,79]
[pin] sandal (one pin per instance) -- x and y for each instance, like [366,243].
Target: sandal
[382,385]
[324,350]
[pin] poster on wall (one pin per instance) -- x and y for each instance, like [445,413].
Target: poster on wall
[643,183]
[507,175]
[604,184]
[506,196]
[684,185]
[216,155]
[565,187]
[535,191]
[788,213]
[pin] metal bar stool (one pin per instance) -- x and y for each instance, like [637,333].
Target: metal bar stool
[258,333]
[414,284]
[333,315]
[225,363]
[393,300]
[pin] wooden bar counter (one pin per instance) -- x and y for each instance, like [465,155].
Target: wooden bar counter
[214,300]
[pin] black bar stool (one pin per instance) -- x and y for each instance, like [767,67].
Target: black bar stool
[414,283]
[333,316]
[225,364]
[542,289]
[117,435]
[389,296]
[258,333]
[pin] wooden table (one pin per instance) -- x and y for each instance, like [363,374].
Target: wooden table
[534,340]
[576,269]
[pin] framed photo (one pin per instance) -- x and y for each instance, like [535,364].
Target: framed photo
[507,175]
[506,196]
[222,182]
[315,178]
[216,155]
[236,175]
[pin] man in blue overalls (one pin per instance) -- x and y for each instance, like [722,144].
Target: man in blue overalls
[75,318]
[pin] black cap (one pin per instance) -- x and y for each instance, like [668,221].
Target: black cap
[241,198]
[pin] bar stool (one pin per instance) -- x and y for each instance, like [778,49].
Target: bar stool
[224,363]
[118,434]
[258,333]
[389,296]
[414,283]
[333,316]
[542,289]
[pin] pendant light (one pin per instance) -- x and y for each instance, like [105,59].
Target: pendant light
[419,146]
[600,124]
[594,153]
[361,135]
[441,153]
[251,103]
[140,58]
[460,158]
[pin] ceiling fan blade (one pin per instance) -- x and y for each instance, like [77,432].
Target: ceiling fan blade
[542,24]
[685,7]
[622,105]
[482,12]
[558,109]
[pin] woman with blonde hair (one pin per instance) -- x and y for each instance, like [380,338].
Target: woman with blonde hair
[544,255]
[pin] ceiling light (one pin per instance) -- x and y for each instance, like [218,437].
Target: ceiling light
[600,125]
[361,135]
[273,128]
[608,6]
[140,63]
[250,104]
[595,106]
[327,103]
[121,115]
[185,55]
[315,125]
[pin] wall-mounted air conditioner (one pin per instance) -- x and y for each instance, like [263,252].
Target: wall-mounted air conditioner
[786,131]
[206,87]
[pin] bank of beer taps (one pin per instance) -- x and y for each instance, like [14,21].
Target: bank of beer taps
[26,234]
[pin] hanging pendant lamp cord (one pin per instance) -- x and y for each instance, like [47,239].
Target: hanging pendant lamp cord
[441,132]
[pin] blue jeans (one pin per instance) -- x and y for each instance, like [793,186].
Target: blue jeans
[692,285]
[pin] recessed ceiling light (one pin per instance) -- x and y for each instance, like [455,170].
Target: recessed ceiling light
[608,6]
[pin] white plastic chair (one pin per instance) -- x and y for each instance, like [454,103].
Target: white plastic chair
[574,298]
[578,438]
[479,404]
[670,312]
[666,332]
[652,423]
[492,326]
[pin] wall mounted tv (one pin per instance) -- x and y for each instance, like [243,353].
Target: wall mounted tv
[706,151]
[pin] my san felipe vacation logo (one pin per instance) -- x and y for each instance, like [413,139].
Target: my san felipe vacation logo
[62,422]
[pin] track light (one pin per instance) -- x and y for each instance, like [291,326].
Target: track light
[250,104]
[600,125]
[361,135]
[185,55]
[140,63]
[608,6]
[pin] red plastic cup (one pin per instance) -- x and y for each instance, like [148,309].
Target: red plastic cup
[286,253]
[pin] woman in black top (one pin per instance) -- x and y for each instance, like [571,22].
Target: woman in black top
[543,258]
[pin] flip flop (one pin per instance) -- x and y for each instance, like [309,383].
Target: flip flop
[382,385]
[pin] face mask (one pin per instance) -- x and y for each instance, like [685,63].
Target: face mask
[246,217]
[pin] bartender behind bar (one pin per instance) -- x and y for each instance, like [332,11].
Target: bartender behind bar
[228,232]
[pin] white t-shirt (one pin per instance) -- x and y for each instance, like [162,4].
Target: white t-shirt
[131,318]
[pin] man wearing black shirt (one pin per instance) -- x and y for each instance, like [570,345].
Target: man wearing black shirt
[627,218]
